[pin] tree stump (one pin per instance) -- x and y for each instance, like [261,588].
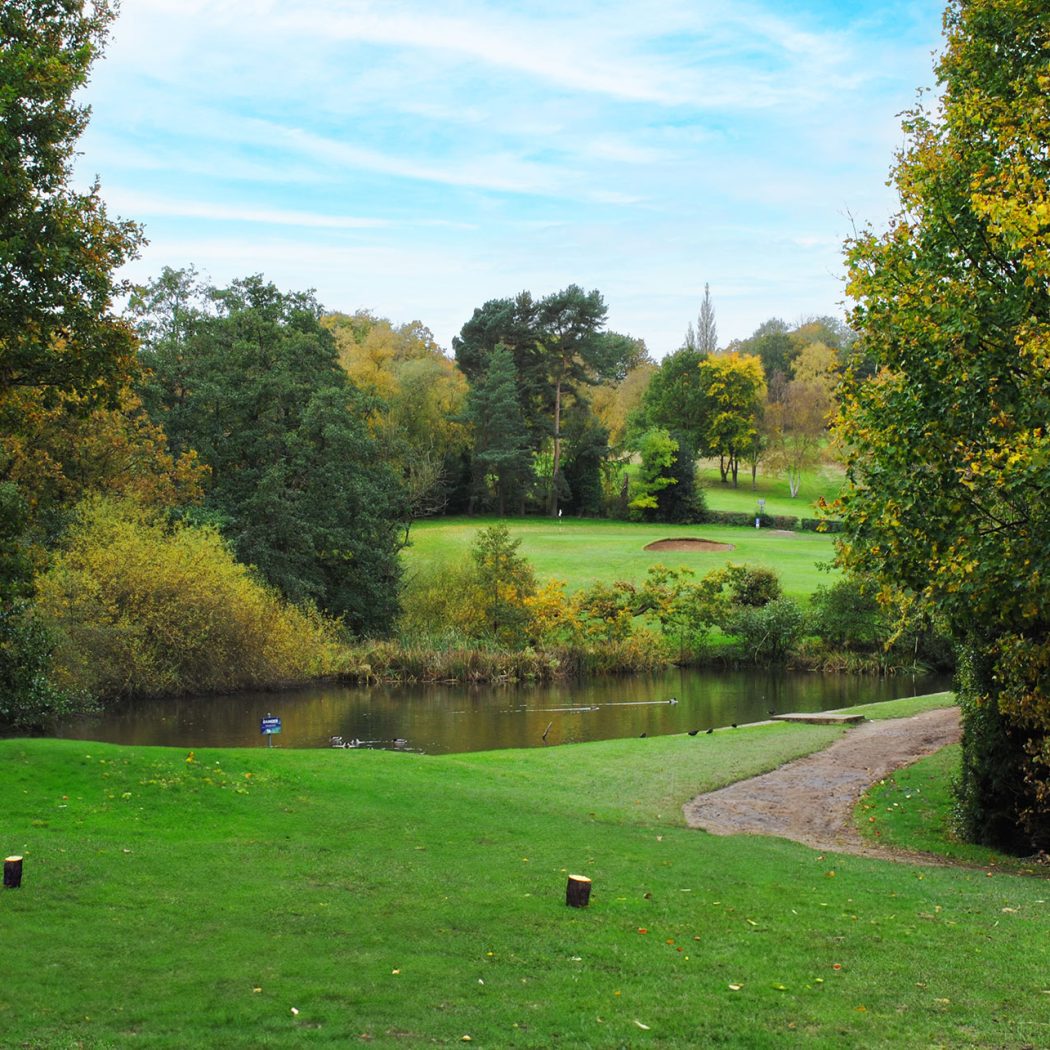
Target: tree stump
[578,891]
[12,872]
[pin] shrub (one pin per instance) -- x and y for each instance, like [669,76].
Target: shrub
[767,633]
[144,607]
[847,614]
[441,603]
[753,585]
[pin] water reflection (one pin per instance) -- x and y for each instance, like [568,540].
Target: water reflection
[444,719]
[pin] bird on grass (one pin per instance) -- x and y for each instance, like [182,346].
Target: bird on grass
[643,736]
[732,725]
[693,732]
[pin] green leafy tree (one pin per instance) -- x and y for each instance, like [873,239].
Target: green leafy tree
[948,445]
[658,452]
[298,482]
[505,579]
[588,443]
[59,249]
[676,397]
[60,337]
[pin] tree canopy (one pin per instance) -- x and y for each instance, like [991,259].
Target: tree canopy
[251,380]
[948,446]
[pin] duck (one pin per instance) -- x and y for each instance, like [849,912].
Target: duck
[337,741]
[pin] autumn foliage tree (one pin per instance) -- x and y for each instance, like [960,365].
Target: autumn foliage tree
[948,444]
[60,336]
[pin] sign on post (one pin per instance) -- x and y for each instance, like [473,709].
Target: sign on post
[269,726]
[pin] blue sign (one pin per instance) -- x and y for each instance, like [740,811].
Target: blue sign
[269,726]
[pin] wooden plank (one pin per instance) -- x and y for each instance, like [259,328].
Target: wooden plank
[821,718]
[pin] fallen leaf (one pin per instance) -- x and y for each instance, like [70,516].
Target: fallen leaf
[735,987]
[295,1012]
[643,1027]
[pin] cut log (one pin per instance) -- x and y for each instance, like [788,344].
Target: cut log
[12,872]
[578,891]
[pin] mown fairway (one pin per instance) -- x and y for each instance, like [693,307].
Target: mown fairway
[253,898]
[582,550]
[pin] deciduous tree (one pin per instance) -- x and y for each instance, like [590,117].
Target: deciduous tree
[948,444]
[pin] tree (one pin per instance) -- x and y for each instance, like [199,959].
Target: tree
[772,344]
[297,479]
[505,579]
[705,336]
[59,249]
[734,388]
[795,427]
[501,453]
[59,335]
[559,346]
[948,446]
[676,397]
[658,452]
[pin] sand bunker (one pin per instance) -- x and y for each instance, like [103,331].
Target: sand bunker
[688,545]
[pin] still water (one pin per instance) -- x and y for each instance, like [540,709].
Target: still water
[444,719]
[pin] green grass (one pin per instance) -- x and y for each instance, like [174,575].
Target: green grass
[580,551]
[914,809]
[822,481]
[403,900]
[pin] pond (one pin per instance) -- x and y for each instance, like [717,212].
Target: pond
[445,719]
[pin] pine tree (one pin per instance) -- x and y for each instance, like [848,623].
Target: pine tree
[501,452]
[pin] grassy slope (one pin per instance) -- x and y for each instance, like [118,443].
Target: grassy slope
[412,901]
[580,551]
[824,481]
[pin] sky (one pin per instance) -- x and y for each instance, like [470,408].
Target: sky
[417,158]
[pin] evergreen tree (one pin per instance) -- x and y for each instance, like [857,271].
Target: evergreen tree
[501,453]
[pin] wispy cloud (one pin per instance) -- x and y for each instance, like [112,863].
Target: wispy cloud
[419,157]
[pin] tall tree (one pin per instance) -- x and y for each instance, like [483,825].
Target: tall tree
[676,396]
[297,479]
[60,337]
[59,249]
[704,337]
[948,446]
[559,346]
[501,452]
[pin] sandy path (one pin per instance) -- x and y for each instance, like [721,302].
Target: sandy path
[811,800]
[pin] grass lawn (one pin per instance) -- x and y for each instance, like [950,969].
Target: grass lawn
[582,550]
[254,898]
[823,481]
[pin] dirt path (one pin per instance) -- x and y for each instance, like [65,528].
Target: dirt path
[811,800]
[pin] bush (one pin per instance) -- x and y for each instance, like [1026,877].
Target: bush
[143,607]
[768,633]
[28,698]
[753,585]
[847,614]
[442,603]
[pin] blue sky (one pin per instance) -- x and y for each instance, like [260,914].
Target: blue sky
[418,158]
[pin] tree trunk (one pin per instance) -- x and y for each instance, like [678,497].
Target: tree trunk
[13,872]
[557,450]
[578,891]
